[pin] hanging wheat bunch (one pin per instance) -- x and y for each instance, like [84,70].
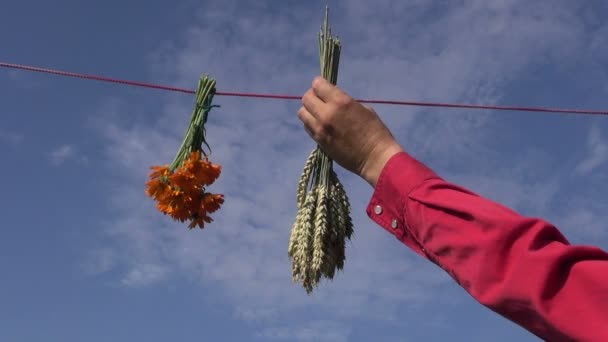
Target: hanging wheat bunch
[323,223]
[180,189]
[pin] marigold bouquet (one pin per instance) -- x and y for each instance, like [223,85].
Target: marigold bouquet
[180,189]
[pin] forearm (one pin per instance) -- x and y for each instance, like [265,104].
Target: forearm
[520,267]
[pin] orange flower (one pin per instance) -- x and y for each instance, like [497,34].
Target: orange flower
[202,170]
[200,221]
[212,202]
[210,173]
[181,194]
[160,171]
[182,181]
[156,188]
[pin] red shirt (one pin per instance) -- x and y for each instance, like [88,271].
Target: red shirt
[522,268]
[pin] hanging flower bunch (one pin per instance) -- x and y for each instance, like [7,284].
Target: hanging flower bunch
[180,189]
[323,223]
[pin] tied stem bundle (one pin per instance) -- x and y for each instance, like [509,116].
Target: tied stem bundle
[180,189]
[323,223]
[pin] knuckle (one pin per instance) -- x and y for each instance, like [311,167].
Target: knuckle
[333,109]
[343,100]
[307,95]
[307,99]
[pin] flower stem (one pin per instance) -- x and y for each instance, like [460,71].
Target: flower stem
[195,134]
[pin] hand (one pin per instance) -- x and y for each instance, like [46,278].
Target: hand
[351,134]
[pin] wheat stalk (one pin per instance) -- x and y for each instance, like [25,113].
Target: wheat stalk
[305,178]
[320,235]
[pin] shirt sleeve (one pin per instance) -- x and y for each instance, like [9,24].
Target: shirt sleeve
[522,268]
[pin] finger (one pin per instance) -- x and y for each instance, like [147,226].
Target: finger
[311,134]
[310,122]
[312,103]
[323,89]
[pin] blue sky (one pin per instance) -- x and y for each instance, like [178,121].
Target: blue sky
[85,256]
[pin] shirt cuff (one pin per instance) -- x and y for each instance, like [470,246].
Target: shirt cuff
[401,174]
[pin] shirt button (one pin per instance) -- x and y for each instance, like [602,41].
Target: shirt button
[378,210]
[394,224]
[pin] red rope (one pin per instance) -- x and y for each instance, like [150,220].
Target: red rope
[291,97]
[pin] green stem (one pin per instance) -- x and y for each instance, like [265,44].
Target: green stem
[195,134]
[329,54]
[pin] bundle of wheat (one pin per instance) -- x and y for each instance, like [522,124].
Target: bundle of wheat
[323,223]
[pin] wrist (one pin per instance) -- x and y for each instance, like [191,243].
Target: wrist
[373,167]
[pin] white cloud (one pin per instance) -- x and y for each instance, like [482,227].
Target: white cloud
[257,314]
[100,261]
[61,154]
[144,274]
[314,331]
[463,53]
[597,154]
[584,224]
